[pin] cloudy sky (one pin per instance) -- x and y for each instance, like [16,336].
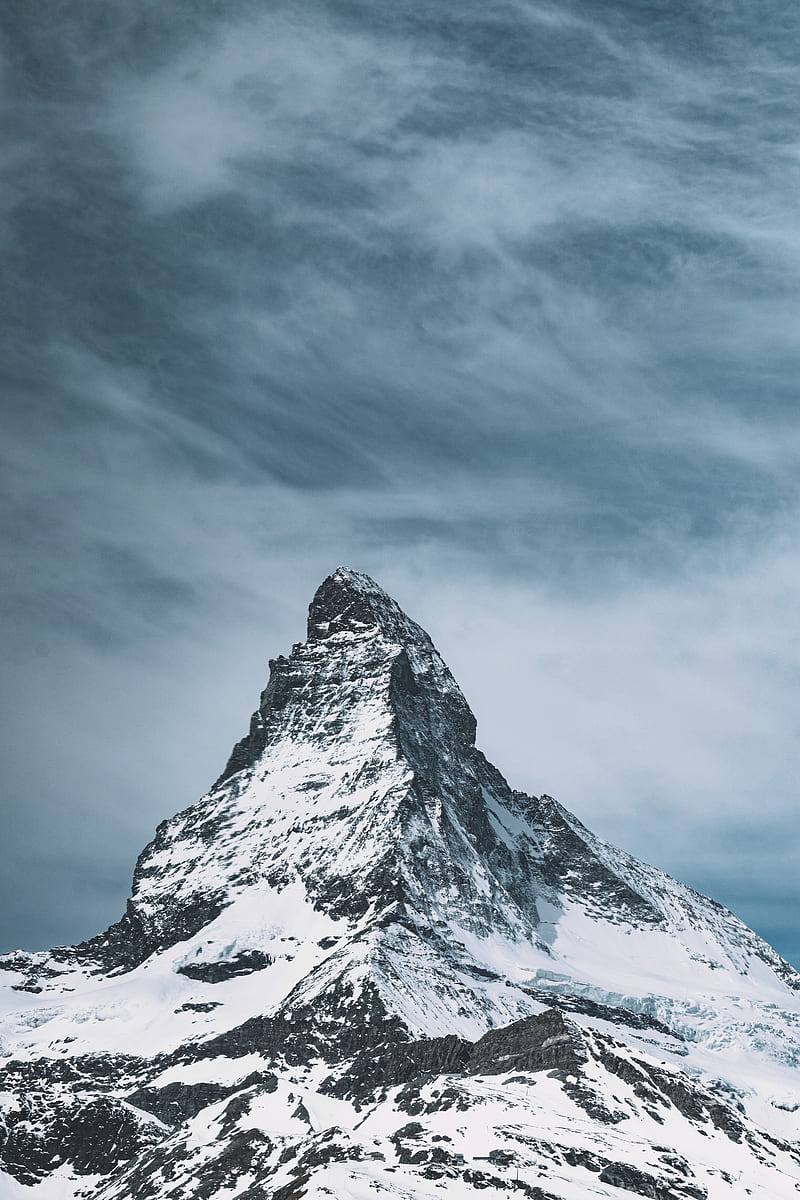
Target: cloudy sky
[498,303]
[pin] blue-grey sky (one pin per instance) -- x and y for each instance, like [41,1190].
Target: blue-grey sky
[498,303]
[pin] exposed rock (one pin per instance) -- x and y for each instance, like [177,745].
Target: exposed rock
[93,1136]
[175,1103]
[244,963]
[546,1042]
[364,907]
[641,1183]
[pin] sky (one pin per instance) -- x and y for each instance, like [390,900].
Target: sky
[497,303]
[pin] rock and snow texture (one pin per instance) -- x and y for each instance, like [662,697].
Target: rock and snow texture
[297,999]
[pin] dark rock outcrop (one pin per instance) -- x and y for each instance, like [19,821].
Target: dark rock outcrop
[244,963]
[545,1042]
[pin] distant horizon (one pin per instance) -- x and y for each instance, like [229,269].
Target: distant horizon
[496,306]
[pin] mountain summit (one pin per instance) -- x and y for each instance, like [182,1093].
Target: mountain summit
[362,916]
[348,601]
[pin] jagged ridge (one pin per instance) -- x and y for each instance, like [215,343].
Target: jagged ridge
[361,895]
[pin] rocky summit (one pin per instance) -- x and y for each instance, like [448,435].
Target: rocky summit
[363,966]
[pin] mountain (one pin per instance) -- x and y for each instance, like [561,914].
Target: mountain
[362,966]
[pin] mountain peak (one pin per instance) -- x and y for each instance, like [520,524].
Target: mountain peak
[363,656]
[349,601]
[365,915]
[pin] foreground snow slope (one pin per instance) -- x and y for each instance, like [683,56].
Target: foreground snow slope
[360,878]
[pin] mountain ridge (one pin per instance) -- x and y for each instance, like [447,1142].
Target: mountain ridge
[361,888]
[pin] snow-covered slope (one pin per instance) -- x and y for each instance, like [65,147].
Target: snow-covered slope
[355,903]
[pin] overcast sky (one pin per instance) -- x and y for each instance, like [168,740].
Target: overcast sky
[498,303]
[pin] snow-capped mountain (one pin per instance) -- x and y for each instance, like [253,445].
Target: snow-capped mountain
[363,964]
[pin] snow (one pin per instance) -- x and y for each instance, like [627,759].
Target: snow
[61,1185]
[334,809]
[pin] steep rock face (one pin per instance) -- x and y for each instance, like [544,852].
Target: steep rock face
[360,778]
[361,757]
[359,905]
